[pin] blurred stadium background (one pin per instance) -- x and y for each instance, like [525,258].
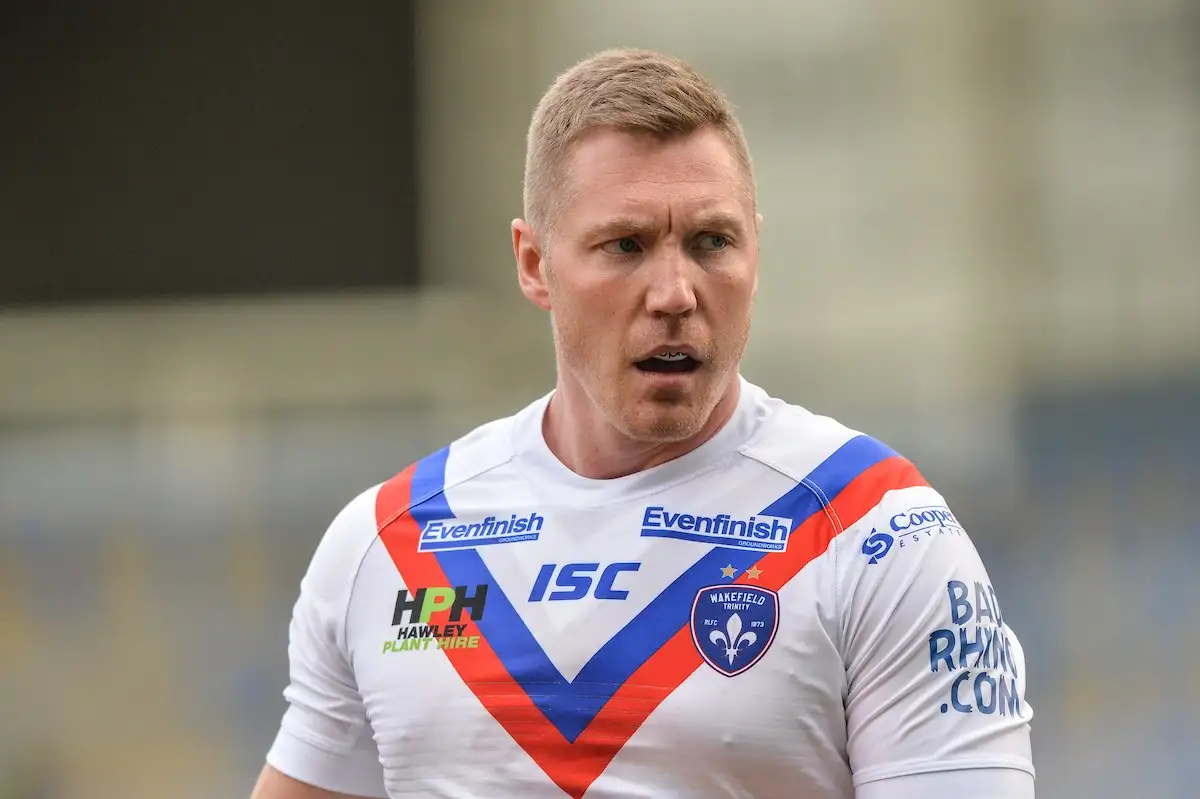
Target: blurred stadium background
[254,261]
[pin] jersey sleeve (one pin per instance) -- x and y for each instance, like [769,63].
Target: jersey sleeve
[324,738]
[935,676]
[984,783]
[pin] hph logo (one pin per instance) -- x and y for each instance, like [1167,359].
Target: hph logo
[418,634]
[424,602]
[734,625]
[877,545]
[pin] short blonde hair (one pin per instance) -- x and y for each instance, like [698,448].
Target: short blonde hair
[632,91]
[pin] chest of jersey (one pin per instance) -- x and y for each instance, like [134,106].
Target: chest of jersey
[668,647]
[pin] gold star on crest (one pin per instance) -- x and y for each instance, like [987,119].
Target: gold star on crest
[728,571]
[753,572]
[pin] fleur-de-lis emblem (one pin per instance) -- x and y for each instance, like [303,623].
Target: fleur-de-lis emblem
[733,639]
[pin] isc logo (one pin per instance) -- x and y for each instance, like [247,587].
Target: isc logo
[575,581]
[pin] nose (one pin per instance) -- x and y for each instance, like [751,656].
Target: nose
[670,291]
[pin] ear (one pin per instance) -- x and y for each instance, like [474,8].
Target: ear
[531,276]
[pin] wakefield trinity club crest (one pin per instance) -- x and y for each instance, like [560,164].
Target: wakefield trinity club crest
[733,625]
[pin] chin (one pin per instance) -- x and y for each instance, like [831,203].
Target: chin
[662,425]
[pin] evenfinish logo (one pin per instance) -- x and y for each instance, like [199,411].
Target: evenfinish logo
[442,534]
[764,533]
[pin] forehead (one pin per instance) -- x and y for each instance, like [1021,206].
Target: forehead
[616,173]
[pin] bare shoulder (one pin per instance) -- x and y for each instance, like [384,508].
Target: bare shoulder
[274,784]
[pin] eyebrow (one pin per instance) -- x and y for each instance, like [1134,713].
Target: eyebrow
[719,221]
[704,221]
[619,226]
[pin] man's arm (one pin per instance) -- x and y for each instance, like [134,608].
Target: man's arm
[325,746]
[935,699]
[275,785]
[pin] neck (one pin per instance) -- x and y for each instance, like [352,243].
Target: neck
[587,444]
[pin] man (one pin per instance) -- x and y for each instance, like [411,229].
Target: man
[656,581]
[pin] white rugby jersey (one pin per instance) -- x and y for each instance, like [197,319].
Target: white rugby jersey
[787,611]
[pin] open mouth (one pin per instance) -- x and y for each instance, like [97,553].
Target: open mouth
[669,363]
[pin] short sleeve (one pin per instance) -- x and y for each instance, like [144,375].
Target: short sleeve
[977,783]
[324,738]
[935,675]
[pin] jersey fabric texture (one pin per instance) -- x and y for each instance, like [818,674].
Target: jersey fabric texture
[788,610]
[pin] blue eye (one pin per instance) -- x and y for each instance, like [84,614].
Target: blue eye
[622,246]
[713,242]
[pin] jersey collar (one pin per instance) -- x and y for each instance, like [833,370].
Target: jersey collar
[535,460]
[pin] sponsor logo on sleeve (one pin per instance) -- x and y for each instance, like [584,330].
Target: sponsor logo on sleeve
[877,545]
[976,649]
[910,528]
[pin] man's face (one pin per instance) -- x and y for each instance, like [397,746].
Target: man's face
[650,277]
